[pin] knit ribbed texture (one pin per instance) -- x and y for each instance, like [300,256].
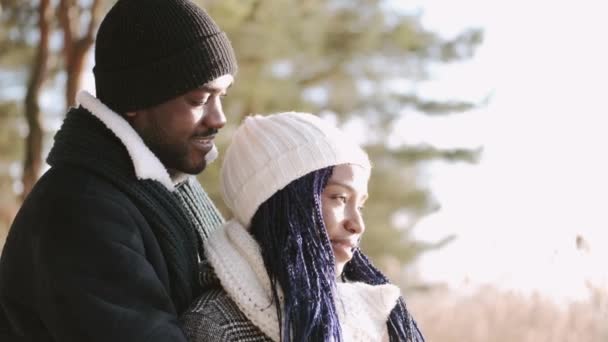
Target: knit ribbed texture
[203,213]
[150,51]
[237,262]
[85,142]
[267,153]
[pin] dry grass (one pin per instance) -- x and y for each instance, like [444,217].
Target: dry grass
[490,315]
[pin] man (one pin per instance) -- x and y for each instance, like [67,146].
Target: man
[107,245]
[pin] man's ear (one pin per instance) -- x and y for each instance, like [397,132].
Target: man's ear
[134,118]
[131,117]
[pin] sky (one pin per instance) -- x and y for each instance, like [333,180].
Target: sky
[541,181]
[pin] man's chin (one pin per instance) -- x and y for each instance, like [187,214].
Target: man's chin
[194,170]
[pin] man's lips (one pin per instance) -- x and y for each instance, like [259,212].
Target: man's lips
[205,137]
[205,140]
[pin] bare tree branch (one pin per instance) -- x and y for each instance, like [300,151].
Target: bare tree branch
[67,27]
[33,149]
[75,47]
[94,21]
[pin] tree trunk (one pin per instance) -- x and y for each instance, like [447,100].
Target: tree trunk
[75,47]
[33,143]
[74,73]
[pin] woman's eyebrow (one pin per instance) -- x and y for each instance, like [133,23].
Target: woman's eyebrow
[347,186]
[342,184]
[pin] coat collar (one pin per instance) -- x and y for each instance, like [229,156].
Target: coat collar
[145,162]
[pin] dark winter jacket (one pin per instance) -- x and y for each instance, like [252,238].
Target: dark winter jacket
[105,247]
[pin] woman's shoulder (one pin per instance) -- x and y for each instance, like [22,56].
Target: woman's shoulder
[216,317]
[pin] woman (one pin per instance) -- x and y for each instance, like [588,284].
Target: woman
[288,265]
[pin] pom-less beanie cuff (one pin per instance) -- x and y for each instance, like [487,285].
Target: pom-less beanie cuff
[268,153]
[152,84]
[150,51]
[286,168]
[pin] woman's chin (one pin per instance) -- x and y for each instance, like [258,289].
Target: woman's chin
[339,268]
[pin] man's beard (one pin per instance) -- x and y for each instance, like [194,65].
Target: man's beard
[173,156]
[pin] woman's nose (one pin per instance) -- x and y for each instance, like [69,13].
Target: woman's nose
[354,222]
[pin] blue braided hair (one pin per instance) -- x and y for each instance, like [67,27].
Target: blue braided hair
[299,259]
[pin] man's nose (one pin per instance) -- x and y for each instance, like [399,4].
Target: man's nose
[214,114]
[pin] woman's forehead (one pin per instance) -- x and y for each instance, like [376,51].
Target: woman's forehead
[350,175]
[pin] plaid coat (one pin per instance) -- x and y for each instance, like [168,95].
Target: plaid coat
[216,317]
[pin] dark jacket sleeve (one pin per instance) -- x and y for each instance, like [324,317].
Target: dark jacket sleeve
[95,282]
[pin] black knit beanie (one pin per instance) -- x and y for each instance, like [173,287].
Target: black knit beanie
[150,51]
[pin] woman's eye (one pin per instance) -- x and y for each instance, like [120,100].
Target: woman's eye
[340,198]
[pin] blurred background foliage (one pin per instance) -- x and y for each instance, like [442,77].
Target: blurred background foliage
[345,60]
[358,62]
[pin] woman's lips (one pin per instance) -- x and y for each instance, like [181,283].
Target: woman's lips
[344,242]
[345,245]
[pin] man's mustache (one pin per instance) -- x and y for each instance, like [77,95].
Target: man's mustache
[206,134]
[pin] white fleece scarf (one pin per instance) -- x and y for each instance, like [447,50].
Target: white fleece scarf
[363,309]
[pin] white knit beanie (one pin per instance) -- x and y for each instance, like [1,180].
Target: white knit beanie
[269,152]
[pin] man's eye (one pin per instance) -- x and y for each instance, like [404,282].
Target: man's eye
[199,102]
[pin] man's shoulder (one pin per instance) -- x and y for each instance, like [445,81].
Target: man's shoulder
[72,182]
[69,198]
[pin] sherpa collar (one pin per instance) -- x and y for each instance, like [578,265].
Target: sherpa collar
[236,258]
[145,162]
